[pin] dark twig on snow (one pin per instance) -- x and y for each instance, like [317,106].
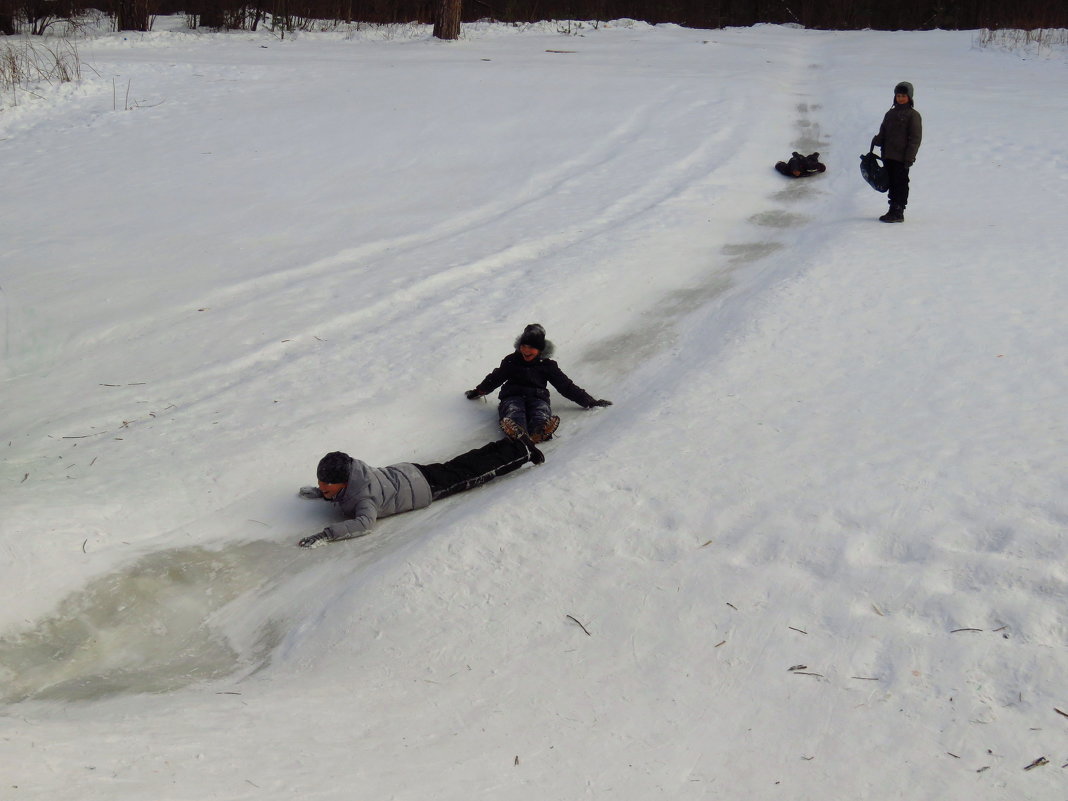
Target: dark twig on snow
[83,544]
[732,606]
[799,631]
[580,626]
[1059,712]
[954,631]
[866,678]
[1038,763]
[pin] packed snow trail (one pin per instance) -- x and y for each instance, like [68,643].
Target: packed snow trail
[823,520]
[572,224]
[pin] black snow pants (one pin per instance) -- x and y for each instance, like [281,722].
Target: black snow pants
[898,173]
[474,468]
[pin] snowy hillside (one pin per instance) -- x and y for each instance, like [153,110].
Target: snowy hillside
[816,550]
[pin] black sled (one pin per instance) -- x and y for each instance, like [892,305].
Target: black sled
[874,172]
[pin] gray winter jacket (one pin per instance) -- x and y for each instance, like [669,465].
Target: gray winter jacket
[374,492]
[900,134]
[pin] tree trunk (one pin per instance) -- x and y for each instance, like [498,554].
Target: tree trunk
[7,18]
[131,15]
[211,14]
[447,20]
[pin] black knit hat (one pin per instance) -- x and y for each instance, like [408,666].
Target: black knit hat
[334,468]
[904,88]
[533,336]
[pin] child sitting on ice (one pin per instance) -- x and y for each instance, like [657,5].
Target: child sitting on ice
[524,373]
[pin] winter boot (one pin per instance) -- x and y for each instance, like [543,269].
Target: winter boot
[546,431]
[812,163]
[895,214]
[515,431]
[511,428]
[536,456]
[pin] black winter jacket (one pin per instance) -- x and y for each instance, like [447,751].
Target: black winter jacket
[900,134]
[522,379]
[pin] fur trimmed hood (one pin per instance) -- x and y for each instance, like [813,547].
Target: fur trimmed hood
[534,336]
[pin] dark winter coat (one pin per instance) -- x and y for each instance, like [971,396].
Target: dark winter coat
[900,134]
[801,166]
[523,379]
[374,492]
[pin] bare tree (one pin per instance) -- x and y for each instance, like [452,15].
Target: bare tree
[7,18]
[447,14]
[131,15]
[447,19]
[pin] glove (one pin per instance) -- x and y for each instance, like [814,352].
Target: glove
[474,394]
[310,492]
[315,540]
[601,402]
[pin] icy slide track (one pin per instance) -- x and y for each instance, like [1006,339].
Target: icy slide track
[146,628]
[181,615]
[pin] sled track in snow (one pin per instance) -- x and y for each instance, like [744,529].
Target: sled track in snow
[160,624]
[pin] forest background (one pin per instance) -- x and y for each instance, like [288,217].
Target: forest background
[35,17]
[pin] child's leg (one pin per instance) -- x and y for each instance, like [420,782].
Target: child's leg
[513,409]
[899,183]
[538,414]
[475,468]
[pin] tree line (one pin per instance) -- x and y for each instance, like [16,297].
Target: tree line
[37,16]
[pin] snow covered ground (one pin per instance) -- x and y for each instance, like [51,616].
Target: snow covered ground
[816,549]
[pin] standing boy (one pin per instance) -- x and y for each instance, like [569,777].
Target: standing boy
[899,137]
